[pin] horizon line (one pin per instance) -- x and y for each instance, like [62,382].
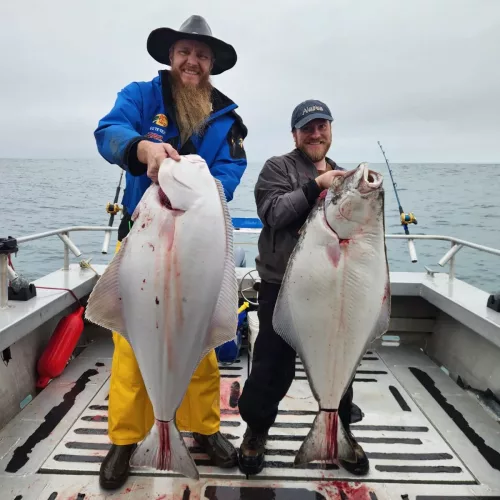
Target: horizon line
[469,162]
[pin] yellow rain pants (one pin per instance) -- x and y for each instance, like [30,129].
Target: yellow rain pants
[130,415]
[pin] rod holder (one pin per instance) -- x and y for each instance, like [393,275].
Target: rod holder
[69,244]
[455,247]
[413,251]
[105,245]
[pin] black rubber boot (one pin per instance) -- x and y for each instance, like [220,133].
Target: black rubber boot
[252,451]
[218,448]
[115,467]
[356,414]
[362,464]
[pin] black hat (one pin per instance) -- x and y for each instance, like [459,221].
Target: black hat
[309,110]
[195,28]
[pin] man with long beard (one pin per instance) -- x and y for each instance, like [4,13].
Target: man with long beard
[177,113]
[286,191]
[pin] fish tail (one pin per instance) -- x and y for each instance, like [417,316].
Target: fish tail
[164,449]
[327,441]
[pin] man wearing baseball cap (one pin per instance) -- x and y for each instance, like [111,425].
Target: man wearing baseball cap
[286,191]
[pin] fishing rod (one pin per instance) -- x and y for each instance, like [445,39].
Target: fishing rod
[112,209]
[406,219]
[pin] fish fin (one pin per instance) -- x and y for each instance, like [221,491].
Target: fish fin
[104,307]
[283,319]
[164,449]
[327,440]
[382,325]
[225,318]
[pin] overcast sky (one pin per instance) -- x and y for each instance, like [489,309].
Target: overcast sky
[421,76]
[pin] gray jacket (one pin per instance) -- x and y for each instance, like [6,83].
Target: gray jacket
[285,193]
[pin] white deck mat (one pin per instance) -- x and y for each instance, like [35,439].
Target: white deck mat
[402,444]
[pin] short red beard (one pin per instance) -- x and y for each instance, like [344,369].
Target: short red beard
[317,154]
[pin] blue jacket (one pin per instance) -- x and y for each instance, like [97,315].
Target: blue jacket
[144,110]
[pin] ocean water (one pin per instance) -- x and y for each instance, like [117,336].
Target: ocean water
[460,200]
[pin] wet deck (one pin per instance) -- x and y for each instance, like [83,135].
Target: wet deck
[425,437]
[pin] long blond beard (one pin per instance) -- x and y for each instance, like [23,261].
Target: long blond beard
[193,105]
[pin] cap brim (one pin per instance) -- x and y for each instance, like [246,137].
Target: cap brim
[160,40]
[314,116]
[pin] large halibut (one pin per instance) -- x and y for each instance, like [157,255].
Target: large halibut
[171,291]
[335,300]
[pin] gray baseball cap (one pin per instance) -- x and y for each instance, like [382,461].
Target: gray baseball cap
[310,110]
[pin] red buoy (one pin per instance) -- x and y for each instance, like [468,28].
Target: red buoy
[62,343]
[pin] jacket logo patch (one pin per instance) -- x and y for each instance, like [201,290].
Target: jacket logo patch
[155,137]
[158,130]
[160,120]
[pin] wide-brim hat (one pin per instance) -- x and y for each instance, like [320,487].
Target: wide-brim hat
[195,28]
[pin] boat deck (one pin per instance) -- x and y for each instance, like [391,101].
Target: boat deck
[426,439]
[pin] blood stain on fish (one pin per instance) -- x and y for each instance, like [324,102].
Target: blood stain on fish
[151,246]
[144,280]
[333,252]
[331,434]
[386,293]
[164,449]
[157,301]
[168,231]
[164,199]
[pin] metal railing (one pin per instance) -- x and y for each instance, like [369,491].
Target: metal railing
[6,272]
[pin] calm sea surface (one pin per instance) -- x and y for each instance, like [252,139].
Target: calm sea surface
[448,199]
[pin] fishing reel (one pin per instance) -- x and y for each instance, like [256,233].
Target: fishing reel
[408,218]
[113,208]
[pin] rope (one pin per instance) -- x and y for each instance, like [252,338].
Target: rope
[62,289]
[50,287]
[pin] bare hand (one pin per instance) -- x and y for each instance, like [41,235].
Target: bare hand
[324,181]
[153,154]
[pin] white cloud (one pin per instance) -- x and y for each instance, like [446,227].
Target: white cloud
[421,76]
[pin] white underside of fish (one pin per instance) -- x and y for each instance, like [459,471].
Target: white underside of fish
[171,291]
[334,301]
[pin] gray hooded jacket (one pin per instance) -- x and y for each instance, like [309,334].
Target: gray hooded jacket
[285,193]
